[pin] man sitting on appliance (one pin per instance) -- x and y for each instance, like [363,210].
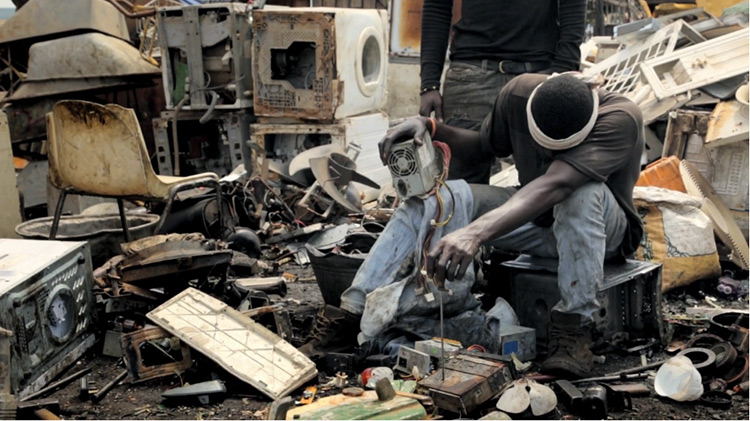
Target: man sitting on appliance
[577,150]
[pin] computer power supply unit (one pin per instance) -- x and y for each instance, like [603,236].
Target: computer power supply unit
[206,55]
[319,63]
[413,167]
[46,300]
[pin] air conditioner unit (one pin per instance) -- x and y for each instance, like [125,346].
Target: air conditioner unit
[319,63]
[414,169]
[206,53]
[46,300]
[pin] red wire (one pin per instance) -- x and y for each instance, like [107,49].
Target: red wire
[446,157]
[446,150]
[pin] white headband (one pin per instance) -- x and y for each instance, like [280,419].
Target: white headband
[570,141]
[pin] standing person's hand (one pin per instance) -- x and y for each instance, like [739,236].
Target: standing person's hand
[431,101]
[414,127]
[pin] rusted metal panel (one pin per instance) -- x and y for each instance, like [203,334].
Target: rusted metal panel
[406,27]
[45,18]
[319,63]
[132,347]
[275,31]
[468,383]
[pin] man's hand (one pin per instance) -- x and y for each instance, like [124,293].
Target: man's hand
[414,127]
[451,257]
[431,101]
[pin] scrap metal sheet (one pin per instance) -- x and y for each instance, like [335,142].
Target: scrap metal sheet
[244,348]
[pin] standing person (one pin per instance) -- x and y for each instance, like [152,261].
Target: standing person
[493,42]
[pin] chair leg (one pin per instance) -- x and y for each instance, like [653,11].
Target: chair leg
[58,214]
[124,221]
[170,201]
[167,209]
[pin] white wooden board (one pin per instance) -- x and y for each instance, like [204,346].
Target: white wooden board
[243,347]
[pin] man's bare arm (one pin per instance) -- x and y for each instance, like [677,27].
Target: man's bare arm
[452,255]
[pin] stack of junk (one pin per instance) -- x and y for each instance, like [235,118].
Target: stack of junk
[197,180]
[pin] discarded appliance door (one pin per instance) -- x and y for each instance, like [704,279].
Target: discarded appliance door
[319,63]
[238,344]
[46,301]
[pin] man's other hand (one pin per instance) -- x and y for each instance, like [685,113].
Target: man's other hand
[431,101]
[451,257]
[413,128]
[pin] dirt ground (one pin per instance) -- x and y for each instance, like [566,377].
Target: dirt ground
[143,401]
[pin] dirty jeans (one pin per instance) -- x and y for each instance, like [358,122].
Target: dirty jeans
[589,227]
[469,94]
[384,288]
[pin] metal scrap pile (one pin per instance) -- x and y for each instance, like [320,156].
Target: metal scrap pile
[688,73]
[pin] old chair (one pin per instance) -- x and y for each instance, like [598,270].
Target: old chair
[98,150]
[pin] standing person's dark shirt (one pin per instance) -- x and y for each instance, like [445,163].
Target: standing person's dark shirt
[518,30]
[610,154]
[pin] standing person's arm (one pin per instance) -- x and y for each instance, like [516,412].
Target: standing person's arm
[572,17]
[436,27]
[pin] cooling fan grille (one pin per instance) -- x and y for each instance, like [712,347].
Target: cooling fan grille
[402,162]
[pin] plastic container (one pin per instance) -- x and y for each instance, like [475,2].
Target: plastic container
[678,379]
[663,173]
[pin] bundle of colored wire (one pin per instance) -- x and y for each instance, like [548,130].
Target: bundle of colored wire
[439,182]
